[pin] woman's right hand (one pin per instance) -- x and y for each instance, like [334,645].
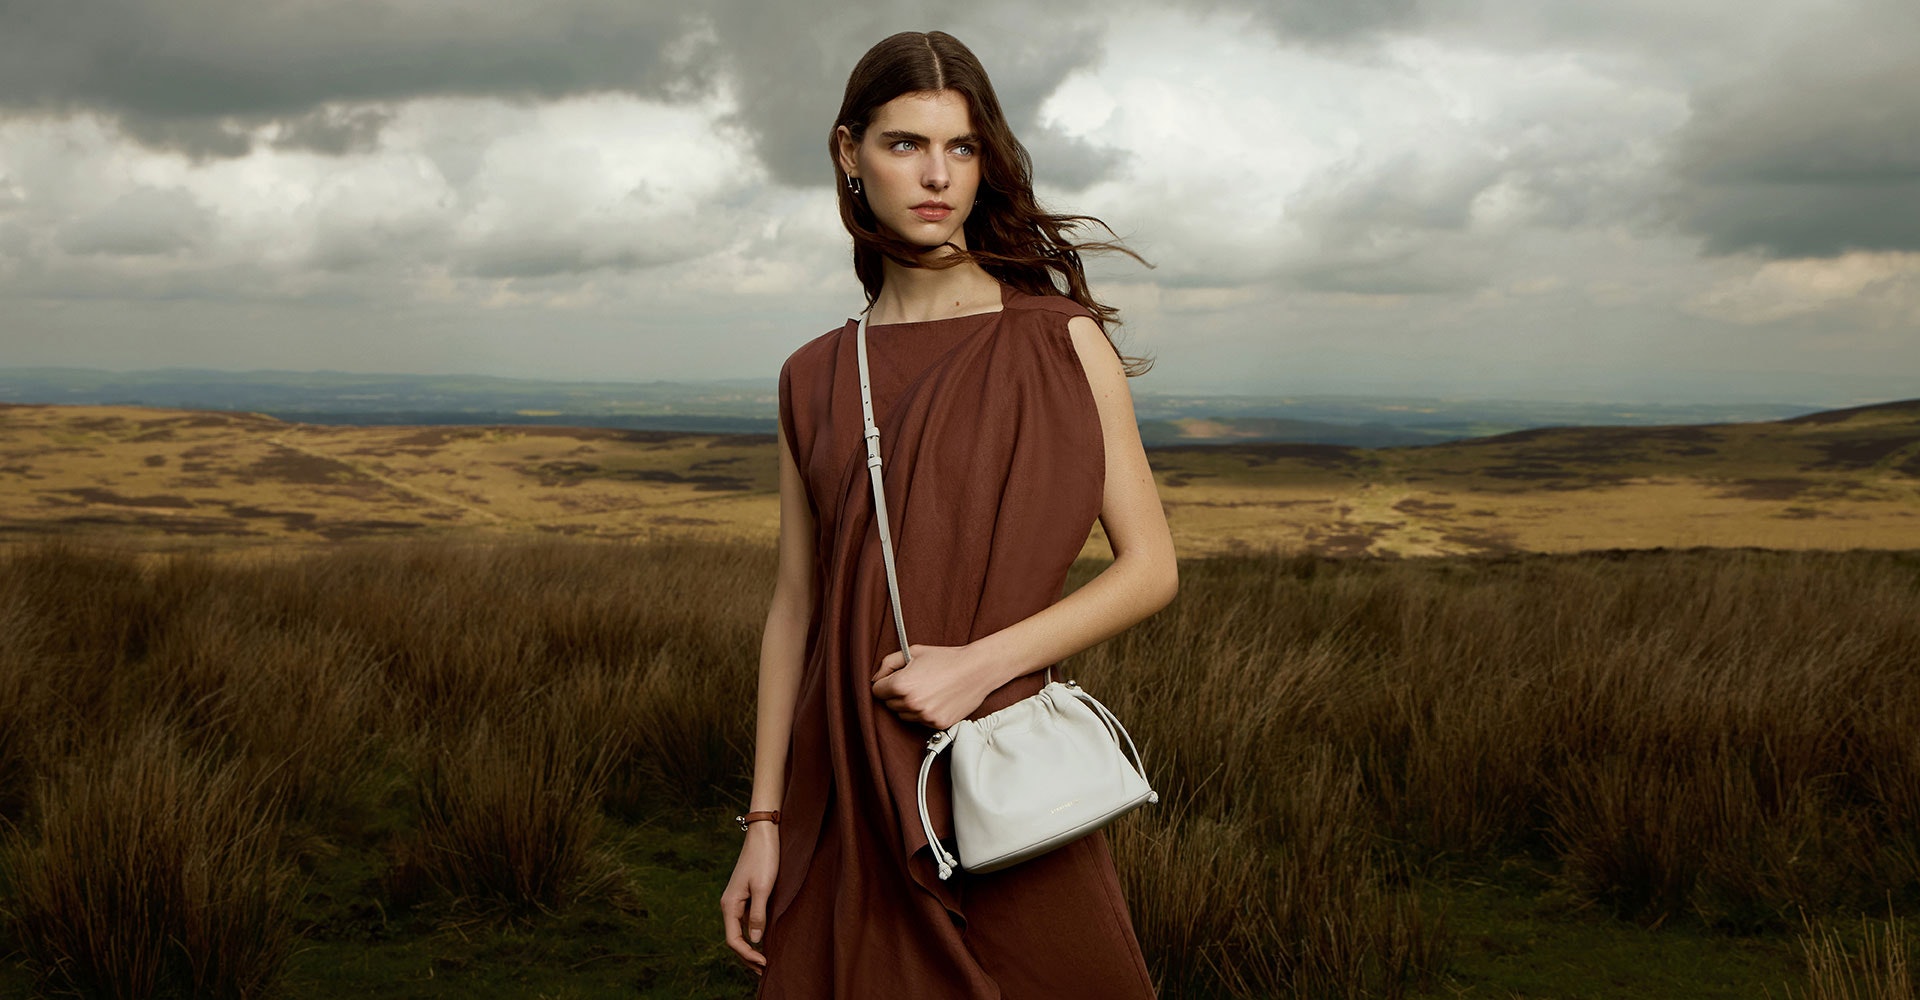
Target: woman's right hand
[744,904]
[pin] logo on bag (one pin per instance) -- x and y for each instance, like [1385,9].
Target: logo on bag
[1062,805]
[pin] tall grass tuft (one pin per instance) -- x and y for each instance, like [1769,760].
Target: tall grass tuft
[1881,968]
[510,811]
[1295,902]
[1260,873]
[151,869]
[300,702]
[27,705]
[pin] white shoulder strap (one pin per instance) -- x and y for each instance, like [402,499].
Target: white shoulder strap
[879,493]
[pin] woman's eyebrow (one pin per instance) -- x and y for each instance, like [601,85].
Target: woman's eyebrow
[895,135]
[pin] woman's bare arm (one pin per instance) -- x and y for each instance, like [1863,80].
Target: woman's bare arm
[743,906]
[1144,576]
[783,643]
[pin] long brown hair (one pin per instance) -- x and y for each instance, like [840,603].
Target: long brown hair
[1008,234]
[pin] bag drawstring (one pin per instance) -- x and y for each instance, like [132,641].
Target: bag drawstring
[940,741]
[1114,726]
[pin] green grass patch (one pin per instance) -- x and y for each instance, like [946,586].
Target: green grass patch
[1518,935]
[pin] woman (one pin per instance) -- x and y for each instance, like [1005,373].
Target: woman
[1006,428]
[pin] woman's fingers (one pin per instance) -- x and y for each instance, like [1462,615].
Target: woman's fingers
[734,907]
[730,918]
[895,660]
[757,919]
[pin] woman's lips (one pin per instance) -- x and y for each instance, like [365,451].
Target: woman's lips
[933,214]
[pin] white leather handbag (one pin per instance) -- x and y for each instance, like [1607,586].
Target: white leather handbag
[1033,775]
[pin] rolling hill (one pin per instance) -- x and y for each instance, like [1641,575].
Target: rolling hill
[168,479]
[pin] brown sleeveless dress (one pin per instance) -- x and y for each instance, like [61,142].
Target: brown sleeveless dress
[993,461]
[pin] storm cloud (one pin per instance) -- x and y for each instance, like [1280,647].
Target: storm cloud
[1331,191]
[1815,151]
[201,77]
[209,79]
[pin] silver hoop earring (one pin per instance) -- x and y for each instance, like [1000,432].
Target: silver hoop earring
[853,184]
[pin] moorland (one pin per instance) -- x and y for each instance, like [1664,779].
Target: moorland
[1835,479]
[440,736]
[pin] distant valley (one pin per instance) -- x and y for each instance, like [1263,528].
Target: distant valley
[748,406]
[175,478]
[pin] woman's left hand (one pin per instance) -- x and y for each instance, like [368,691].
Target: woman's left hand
[942,685]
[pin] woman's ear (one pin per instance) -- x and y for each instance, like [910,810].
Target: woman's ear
[845,144]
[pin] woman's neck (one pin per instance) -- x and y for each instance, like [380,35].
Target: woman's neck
[920,294]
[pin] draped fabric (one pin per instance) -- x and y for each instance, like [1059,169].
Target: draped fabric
[993,462]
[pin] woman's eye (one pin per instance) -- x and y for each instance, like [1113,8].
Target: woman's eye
[968,148]
[902,142]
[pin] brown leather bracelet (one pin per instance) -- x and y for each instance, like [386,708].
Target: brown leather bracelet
[767,814]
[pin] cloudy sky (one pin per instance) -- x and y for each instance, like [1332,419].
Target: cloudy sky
[1633,200]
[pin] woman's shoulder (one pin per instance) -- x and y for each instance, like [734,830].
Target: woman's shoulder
[1049,316]
[1052,307]
[1048,301]
[1054,314]
[817,350]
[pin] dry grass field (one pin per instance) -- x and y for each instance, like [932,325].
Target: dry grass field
[1838,479]
[471,717]
[442,769]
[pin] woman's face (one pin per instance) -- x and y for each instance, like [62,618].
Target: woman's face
[919,148]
